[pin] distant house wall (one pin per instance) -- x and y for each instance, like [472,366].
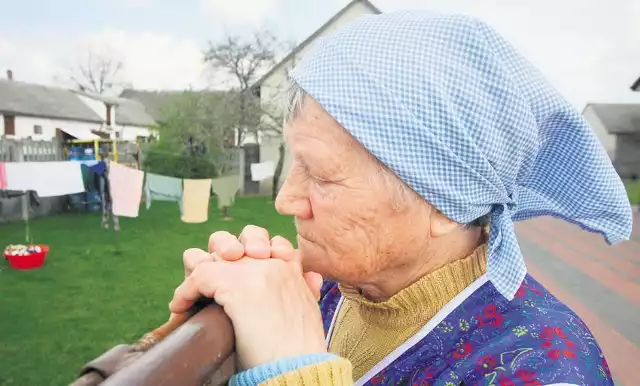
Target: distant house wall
[627,157]
[608,140]
[25,127]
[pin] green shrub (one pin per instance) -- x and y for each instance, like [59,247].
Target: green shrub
[163,158]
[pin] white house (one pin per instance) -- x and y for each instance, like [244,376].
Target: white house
[37,111]
[272,84]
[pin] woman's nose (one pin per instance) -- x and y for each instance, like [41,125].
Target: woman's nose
[291,200]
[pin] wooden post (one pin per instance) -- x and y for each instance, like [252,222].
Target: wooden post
[24,200]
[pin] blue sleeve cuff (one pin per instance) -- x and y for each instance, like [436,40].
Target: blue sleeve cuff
[259,374]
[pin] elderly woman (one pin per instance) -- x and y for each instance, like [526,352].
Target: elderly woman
[418,139]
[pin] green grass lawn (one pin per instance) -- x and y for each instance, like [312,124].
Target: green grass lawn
[633,189]
[89,297]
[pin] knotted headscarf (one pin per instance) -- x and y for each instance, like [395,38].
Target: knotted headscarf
[470,125]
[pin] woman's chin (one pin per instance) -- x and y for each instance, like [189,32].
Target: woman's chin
[312,260]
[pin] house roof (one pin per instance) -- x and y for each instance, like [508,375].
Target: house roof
[129,112]
[133,113]
[315,35]
[618,118]
[35,100]
[155,102]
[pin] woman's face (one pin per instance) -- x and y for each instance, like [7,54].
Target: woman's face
[351,227]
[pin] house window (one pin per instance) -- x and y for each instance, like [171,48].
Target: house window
[9,125]
[37,129]
[117,135]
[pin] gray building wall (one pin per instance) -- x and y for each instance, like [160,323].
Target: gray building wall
[627,155]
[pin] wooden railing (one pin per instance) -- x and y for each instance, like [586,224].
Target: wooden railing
[194,349]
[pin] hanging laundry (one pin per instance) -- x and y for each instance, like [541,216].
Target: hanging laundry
[98,168]
[89,163]
[196,200]
[226,188]
[262,171]
[48,179]
[3,176]
[125,186]
[162,188]
[87,177]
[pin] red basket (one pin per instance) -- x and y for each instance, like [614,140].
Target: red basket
[31,261]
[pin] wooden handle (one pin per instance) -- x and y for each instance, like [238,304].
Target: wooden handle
[199,351]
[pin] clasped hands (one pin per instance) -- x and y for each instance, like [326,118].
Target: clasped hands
[261,285]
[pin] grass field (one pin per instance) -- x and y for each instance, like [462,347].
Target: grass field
[89,297]
[633,189]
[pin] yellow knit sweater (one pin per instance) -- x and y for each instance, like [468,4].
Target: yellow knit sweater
[365,332]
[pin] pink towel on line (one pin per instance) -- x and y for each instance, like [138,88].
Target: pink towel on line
[126,189]
[3,176]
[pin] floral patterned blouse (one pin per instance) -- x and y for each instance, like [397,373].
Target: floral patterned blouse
[481,338]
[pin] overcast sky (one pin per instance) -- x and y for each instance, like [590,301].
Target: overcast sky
[590,50]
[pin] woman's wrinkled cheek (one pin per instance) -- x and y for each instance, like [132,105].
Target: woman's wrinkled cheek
[347,221]
[356,242]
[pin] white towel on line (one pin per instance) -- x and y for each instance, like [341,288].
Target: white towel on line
[262,171]
[48,179]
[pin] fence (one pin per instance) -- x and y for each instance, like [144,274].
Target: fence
[27,150]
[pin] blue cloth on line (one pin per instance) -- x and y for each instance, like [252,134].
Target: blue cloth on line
[98,168]
[470,125]
[163,188]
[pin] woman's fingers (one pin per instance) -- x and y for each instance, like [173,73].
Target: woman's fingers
[192,257]
[282,248]
[255,241]
[270,321]
[226,246]
[203,281]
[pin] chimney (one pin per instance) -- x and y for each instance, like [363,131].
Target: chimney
[9,74]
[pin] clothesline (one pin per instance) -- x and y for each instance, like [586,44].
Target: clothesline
[259,171]
[192,195]
[126,186]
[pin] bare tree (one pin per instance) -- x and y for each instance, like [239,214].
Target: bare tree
[244,60]
[97,71]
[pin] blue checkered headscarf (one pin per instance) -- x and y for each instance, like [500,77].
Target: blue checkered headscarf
[470,125]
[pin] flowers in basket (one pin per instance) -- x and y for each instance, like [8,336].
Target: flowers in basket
[26,256]
[22,250]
